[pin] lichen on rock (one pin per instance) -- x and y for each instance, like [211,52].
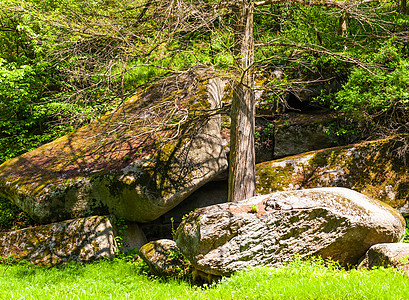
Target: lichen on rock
[82,240]
[164,258]
[368,167]
[327,222]
[136,162]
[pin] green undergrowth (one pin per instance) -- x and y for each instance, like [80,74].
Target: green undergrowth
[12,217]
[406,237]
[128,279]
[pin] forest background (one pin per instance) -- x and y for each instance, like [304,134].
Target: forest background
[66,63]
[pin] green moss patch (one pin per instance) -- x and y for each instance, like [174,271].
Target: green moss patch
[370,168]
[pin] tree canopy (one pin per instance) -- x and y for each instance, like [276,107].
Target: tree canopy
[64,63]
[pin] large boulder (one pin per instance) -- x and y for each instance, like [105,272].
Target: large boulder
[269,230]
[137,162]
[293,133]
[372,168]
[83,240]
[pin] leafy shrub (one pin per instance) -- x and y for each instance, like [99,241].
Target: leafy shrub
[25,112]
[378,99]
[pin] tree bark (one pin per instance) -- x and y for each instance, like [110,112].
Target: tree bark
[405,25]
[242,180]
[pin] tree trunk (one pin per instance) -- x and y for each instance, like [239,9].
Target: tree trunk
[242,180]
[405,25]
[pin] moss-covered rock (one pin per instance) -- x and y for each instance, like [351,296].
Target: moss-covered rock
[164,258]
[294,133]
[83,240]
[137,162]
[372,168]
[298,133]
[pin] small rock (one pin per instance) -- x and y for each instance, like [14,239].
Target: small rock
[132,235]
[387,254]
[164,258]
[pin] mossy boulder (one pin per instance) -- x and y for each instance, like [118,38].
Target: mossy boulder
[164,258]
[299,133]
[269,230]
[136,162]
[83,240]
[373,168]
[294,133]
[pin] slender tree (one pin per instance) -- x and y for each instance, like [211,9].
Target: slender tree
[242,181]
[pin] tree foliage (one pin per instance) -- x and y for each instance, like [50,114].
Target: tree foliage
[63,63]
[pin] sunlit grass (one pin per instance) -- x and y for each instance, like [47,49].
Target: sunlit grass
[313,280]
[121,279]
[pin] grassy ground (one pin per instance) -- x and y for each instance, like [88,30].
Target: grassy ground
[122,279]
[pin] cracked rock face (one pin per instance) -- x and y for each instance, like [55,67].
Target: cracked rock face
[270,229]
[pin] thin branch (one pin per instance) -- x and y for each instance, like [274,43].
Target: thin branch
[342,57]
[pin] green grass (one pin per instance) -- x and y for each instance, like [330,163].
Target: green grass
[313,280]
[121,279]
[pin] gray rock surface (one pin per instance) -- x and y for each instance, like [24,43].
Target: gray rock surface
[163,258]
[303,134]
[292,134]
[386,255]
[83,240]
[133,236]
[271,229]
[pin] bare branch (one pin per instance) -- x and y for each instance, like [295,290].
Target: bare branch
[324,3]
[342,57]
